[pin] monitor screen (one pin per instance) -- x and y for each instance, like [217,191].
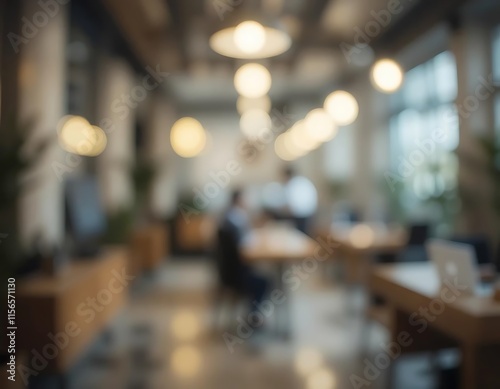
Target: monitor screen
[481,247]
[85,215]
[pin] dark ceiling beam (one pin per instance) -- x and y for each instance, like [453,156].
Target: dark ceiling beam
[310,18]
[421,18]
[98,23]
[178,33]
[229,105]
[11,13]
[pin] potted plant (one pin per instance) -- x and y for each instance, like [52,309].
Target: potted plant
[17,157]
[18,154]
[122,221]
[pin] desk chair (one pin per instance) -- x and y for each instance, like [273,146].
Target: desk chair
[481,247]
[230,289]
[414,250]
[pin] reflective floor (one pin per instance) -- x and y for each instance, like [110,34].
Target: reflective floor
[166,339]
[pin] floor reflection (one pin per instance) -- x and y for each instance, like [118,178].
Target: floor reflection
[165,339]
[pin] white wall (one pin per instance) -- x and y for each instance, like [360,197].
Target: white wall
[225,143]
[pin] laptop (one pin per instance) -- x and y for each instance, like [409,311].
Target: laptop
[457,263]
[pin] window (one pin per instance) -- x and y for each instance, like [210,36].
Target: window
[424,134]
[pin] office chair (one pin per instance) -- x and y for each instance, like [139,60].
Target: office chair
[415,248]
[230,289]
[481,246]
[414,251]
[418,234]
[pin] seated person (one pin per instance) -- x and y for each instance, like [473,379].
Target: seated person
[233,272]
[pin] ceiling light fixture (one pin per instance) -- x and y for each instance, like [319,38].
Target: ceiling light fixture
[78,136]
[244,104]
[252,80]
[386,75]
[250,39]
[282,148]
[342,107]
[301,138]
[255,123]
[320,125]
[188,137]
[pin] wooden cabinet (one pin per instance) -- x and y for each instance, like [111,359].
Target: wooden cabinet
[149,246]
[59,316]
[195,235]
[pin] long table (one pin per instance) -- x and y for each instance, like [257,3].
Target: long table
[471,322]
[358,242]
[278,244]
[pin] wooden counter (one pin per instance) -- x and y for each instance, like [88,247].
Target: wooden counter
[149,247]
[52,305]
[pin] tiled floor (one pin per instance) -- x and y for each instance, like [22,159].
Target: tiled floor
[165,339]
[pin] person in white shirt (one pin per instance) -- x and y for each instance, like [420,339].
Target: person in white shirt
[301,199]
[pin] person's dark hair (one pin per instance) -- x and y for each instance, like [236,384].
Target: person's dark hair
[289,172]
[236,196]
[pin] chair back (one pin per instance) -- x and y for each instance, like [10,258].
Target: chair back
[418,234]
[481,247]
[228,258]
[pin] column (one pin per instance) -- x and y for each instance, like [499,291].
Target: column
[116,116]
[164,192]
[42,101]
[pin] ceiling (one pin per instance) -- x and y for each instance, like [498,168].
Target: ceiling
[175,34]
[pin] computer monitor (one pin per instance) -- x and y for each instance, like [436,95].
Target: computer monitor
[481,246]
[85,217]
[457,263]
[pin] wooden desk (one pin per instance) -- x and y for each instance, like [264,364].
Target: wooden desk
[53,305]
[358,242]
[473,322]
[279,245]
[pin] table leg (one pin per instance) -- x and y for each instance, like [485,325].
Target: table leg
[469,368]
[479,367]
[283,314]
[63,381]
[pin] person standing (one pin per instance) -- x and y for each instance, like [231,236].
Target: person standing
[301,199]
